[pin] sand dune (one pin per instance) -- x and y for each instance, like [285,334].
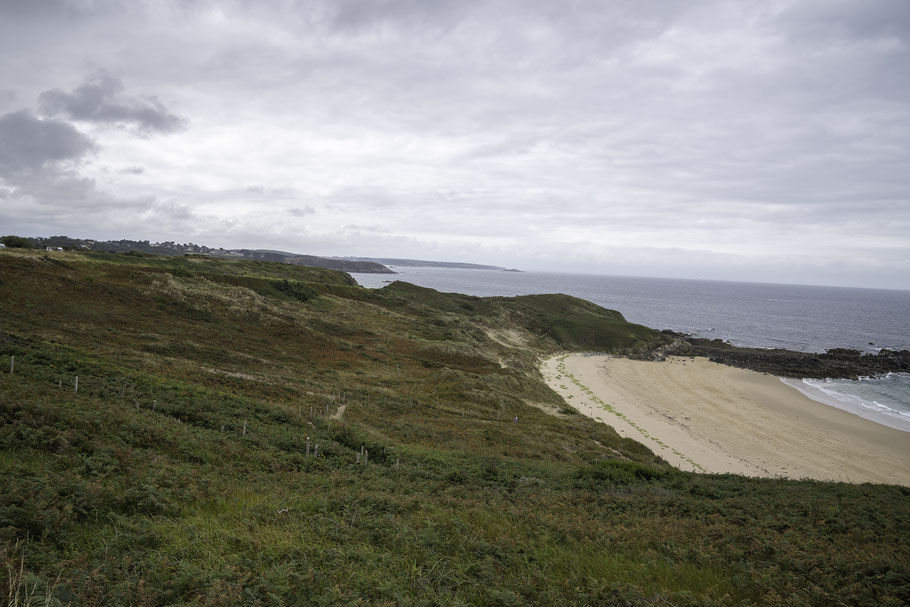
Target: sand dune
[708,417]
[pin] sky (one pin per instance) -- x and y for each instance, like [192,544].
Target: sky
[760,141]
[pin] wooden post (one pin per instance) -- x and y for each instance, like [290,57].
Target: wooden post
[12,364]
[366,456]
[244,429]
[77,384]
[358,458]
[397,461]
[316,450]
[59,383]
[308,446]
[154,405]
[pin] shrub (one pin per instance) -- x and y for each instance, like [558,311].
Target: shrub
[17,242]
[294,289]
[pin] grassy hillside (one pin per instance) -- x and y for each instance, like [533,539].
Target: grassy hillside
[183,470]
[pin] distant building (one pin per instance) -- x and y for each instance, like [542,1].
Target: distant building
[54,248]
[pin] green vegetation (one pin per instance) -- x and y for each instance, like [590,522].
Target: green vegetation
[17,242]
[182,471]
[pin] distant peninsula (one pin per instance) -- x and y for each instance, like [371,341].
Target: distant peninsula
[362,265]
[422,263]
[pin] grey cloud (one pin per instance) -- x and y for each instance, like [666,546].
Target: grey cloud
[6,97]
[848,20]
[29,144]
[101,100]
[133,170]
[302,211]
[357,14]
[47,8]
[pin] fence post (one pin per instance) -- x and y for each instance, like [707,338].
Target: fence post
[244,429]
[77,384]
[308,446]
[12,364]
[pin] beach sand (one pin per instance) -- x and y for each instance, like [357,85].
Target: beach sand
[704,416]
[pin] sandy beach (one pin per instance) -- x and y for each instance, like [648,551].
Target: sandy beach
[708,417]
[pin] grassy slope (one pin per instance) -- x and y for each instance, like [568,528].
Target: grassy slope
[142,488]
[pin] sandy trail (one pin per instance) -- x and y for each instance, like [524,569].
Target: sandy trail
[708,417]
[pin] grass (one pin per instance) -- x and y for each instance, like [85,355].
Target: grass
[142,488]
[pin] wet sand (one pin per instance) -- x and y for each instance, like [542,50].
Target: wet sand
[708,417]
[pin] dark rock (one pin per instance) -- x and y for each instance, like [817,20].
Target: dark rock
[835,363]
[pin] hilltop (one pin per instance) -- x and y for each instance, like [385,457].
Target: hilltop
[184,469]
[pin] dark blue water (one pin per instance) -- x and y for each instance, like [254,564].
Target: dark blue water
[797,317]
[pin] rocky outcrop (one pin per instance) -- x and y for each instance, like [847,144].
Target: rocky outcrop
[835,363]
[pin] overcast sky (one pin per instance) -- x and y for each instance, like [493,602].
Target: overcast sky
[760,141]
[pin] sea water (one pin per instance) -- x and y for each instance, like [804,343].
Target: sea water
[796,317]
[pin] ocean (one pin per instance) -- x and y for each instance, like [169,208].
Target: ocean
[796,317]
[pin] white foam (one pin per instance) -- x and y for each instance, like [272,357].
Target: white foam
[872,410]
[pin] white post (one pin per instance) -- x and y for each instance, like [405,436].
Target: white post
[366,455]
[77,384]
[308,446]
[244,429]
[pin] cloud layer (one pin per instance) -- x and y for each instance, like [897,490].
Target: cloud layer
[100,100]
[715,139]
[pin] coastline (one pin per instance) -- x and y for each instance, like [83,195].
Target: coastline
[707,417]
[816,392]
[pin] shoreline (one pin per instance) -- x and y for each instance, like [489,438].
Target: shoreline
[707,417]
[838,402]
